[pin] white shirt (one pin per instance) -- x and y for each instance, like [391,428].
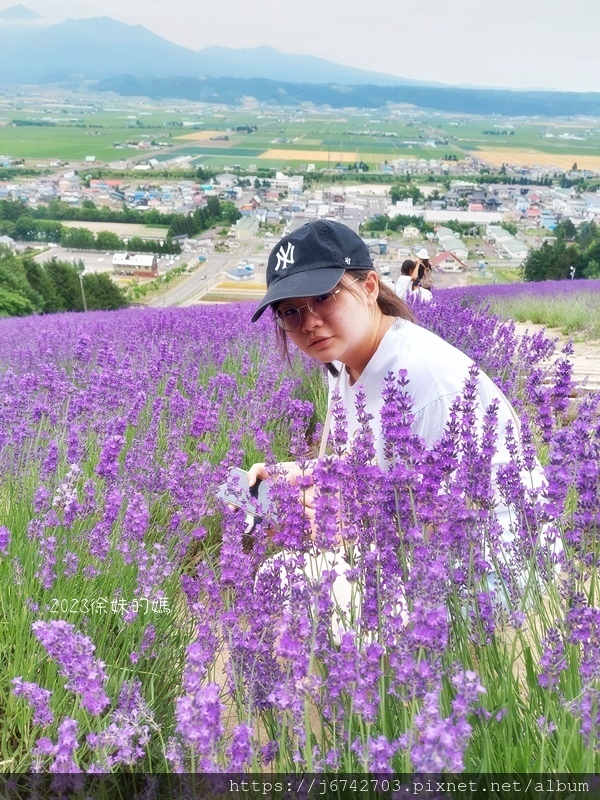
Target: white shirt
[403,286]
[437,372]
[404,289]
[422,294]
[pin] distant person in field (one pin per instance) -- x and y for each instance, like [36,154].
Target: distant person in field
[404,283]
[409,282]
[418,290]
[427,279]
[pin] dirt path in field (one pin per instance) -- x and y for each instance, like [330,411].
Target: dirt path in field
[120,228]
[586,358]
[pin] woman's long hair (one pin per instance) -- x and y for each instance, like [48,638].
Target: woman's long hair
[388,301]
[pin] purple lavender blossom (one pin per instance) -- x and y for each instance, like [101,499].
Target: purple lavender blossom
[553,660]
[65,747]
[327,503]
[439,746]
[70,564]
[47,555]
[199,724]
[154,568]
[74,654]
[175,755]
[63,751]
[353,678]
[4,540]
[441,742]
[38,699]
[123,741]
[240,749]
[380,753]
[149,423]
[269,752]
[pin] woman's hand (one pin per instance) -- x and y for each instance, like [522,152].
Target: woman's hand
[292,471]
[257,471]
[308,501]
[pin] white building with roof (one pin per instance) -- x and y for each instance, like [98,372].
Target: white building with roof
[137,264]
[515,249]
[246,228]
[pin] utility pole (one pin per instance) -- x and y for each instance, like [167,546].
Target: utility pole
[81,272]
[82,292]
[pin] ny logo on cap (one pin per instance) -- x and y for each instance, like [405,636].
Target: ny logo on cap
[285,258]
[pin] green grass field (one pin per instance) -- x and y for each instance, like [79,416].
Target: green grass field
[573,315]
[67,143]
[92,129]
[495,275]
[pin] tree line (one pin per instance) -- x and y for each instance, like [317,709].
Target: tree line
[213,213]
[27,287]
[382,222]
[404,192]
[574,253]
[28,229]
[25,224]
[86,212]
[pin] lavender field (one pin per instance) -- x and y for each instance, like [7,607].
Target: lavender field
[573,307]
[142,630]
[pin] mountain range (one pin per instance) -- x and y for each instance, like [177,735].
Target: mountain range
[234,91]
[18,13]
[101,47]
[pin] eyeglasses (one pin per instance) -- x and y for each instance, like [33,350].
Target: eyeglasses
[289,317]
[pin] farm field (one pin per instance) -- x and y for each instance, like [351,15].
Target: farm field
[199,136]
[523,158]
[142,631]
[66,143]
[285,137]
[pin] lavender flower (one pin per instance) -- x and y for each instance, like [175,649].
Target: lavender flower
[4,540]
[417,540]
[47,571]
[63,751]
[65,747]
[553,660]
[441,743]
[240,749]
[38,699]
[175,755]
[74,654]
[198,715]
[122,742]
[439,746]
[380,753]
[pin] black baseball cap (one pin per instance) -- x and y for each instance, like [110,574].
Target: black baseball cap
[311,260]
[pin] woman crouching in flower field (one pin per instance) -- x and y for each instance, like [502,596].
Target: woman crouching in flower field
[396,390]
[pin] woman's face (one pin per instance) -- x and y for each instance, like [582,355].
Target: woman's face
[346,334]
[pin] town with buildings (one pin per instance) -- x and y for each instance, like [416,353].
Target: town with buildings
[285,197]
[499,223]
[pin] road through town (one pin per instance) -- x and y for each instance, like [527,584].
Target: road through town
[209,274]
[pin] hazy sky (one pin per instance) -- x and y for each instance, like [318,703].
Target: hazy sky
[512,43]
